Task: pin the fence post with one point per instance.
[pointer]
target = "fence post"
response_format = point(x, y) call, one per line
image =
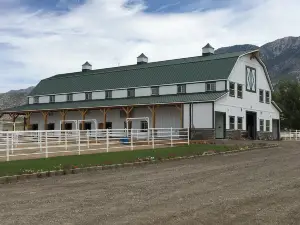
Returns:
point(171, 137)
point(88, 139)
point(107, 140)
point(188, 136)
point(296, 135)
point(96, 136)
point(290, 135)
point(12, 143)
point(46, 141)
point(7, 147)
point(131, 139)
point(153, 144)
point(78, 142)
point(148, 134)
point(66, 145)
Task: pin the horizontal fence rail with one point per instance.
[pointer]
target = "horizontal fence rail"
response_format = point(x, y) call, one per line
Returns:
point(292, 135)
point(15, 145)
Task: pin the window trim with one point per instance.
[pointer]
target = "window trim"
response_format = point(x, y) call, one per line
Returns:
point(155, 88)
point(267, 99)
point(231, 117)
point(36, 100)
point(71, 99)
point(241, 91)
point(263, 93)
point(108, 94)
point(182, 88)
point(230, 89)
point(268, 128)
point(261, 125)
point(88, 94)
point(130, 90)
point(241, 123)
point(141, 126)
point(51, 98)
point(213, 85)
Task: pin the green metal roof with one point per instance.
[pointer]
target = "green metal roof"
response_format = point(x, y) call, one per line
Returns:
point(163, 99)
point(201, 68)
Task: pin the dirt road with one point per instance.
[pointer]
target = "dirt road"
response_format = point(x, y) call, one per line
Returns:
point(257, 187)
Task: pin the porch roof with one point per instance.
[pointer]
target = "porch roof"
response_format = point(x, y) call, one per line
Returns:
point(153, 100)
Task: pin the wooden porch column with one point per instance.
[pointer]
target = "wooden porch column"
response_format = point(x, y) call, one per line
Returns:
point(45, 116)
point(152, 109)
point(63, 114)
point(83, 113)
point(27, 116)
point(128, 110)
point(180, 108)
point(13, 117)
point(104, 111)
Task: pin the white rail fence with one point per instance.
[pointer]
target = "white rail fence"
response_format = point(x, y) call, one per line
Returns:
point(292, 135)
point(17, 145)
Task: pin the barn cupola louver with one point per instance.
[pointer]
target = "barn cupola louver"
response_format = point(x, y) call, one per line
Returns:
point(86, 67)
point(208, 50)
point(142, 59)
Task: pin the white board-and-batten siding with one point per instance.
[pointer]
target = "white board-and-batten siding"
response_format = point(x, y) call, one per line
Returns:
point(237, 107)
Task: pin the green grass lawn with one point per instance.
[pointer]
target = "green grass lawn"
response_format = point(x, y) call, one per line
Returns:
point(64, 162)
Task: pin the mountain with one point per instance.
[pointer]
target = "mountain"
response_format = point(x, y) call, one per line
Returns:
point(14, 98)
point(282, 58)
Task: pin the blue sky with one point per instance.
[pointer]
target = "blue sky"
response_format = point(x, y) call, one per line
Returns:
point(40, 38)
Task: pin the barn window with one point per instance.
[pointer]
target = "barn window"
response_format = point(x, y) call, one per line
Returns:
point(231, 122)
point(50, 126)
point(211, 86)
point(52, 98)
point(261, 125)
point(130, 93)
point(181, 89)
point(88, 96)
point(108, 94)
point(240, 91)
point(144, 126)
point(232, 89)
point(36, 99)
point(155, 91)
point(268, 97)
point(70, 97)
point(240, 123)
point(268, 125)
point(261, 95)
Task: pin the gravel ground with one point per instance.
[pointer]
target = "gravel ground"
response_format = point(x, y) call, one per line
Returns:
point(256, 187)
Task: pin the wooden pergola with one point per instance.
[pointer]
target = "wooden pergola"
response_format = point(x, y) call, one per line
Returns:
point(84, 111)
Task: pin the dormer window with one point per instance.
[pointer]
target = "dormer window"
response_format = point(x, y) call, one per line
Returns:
point(36, 99)
point(70, 97)
point(181, 89)
point(88, 96)
point(52, 98)
point(211, 86)
point(232, 89)
point(154, 91)
point(130, 93)
point(108, 94)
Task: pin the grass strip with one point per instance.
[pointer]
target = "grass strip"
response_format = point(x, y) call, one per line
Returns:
point(76, 161)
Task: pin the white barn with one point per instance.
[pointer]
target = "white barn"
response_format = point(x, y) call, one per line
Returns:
point(215, 95)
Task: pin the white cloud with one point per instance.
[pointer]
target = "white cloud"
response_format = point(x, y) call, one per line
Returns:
point(106, 33)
